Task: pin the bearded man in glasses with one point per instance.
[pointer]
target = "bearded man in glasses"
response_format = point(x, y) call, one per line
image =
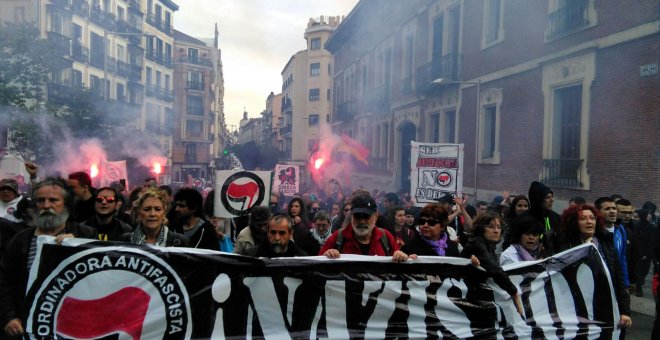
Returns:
point(108, 227)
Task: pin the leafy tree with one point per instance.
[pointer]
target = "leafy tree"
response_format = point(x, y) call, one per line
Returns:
point(23, 69)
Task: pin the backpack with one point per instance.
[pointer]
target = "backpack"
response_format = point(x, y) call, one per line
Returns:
point(339, 243)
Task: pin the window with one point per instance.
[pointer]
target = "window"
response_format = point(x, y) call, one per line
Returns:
point(152, 123)
point(329, 69)
point(449, 127)
point(158, 78)
point(313, 119)
point(314, 94)
point(490, 131)
point(567, 17)
point(488, 149)
point(167, 82)
point(435, 128)
point(406, 82)
point(195, 105)
point(193, 128)
point(193, 55)
point(315, 69)
point(492, 26)
point(120, 93)
point(315, 43)
point(169, 121)
point(327, 93)
point(97, 50)
point(148, 73)
point(563, 167)
point(191, 152)
point(195, 80)
point(120, 13)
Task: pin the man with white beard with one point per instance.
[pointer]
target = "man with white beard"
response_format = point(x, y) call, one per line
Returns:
point(362, 237)
point(53, 201)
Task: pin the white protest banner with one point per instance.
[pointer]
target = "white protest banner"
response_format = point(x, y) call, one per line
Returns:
point(237, 191)
point(436, 170)
point(113, 172)
point(286, 179)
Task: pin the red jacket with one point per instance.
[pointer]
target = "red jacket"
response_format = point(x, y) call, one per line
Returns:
point(350, 244)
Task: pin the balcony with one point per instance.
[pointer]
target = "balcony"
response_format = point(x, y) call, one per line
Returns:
point(61, 3)
point(122, 68)
point(124, 26)
point(286, 104)
point(59, 43)
point(80, 53)
point(159, 57)
point(195, 85)
point(135, 72)
point(285, 129)
point(103, 18)
point(378, 100)
point(447, 67)
point(568, 19)
point(345, 111)
point(563, 173)
point(111, 64)
point(196, 61)
point(190, 158)
point(160, 93)
point(159, 23)
point(407, 85)
point(61, 94)
point(80, 7)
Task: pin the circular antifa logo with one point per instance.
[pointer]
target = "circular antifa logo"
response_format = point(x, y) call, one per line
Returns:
point(112, 292)
point(242, 191)
point(445, 178)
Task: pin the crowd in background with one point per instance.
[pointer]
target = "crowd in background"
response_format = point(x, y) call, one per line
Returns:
point(509, 229)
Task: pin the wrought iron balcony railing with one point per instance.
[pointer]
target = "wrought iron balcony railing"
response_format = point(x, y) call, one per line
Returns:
point(564, 173)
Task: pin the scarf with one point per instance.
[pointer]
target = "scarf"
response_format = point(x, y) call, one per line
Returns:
point(138, 236)
point(321, 238)
point(438, 246)
point(527, 255)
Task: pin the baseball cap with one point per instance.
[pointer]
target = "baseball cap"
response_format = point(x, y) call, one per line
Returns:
point(9, 183)
point(363, 204)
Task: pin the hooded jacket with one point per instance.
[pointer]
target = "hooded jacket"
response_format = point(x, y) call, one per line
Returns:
point(551, 220)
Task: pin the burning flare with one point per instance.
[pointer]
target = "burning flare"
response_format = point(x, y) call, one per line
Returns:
point(94, 171)
point(318, 163)
point(156, 168)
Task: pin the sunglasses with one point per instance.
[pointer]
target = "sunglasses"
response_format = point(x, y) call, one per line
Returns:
point(430, 221)
point(105, 199)
point(347, 210)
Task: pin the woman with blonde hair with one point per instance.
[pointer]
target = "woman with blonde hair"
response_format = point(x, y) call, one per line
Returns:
point(151, 223)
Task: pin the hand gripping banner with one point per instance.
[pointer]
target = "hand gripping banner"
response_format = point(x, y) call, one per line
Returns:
point(97, 289)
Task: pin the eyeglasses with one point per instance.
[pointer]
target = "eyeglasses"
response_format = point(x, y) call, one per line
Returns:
point(430, 221)
point(105, 199)
point(494, 226)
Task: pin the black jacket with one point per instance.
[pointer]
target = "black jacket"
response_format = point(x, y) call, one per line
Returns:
point(418, 246)
point(14, 272)
point(111, 232)
point(204, 238)
point(84, 210)
point(485, 252)
point(552, 220)
point(264, 250)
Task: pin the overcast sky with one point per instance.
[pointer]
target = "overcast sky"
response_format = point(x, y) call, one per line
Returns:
point(257, 38)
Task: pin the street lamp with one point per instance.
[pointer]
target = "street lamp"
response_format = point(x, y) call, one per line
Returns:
point(106, 90)
point(446, 81)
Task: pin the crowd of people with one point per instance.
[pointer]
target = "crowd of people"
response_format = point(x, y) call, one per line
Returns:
point(510, 229)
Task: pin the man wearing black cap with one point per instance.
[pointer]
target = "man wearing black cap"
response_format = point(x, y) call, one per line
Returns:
point(9, 198)
point(361, 236)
